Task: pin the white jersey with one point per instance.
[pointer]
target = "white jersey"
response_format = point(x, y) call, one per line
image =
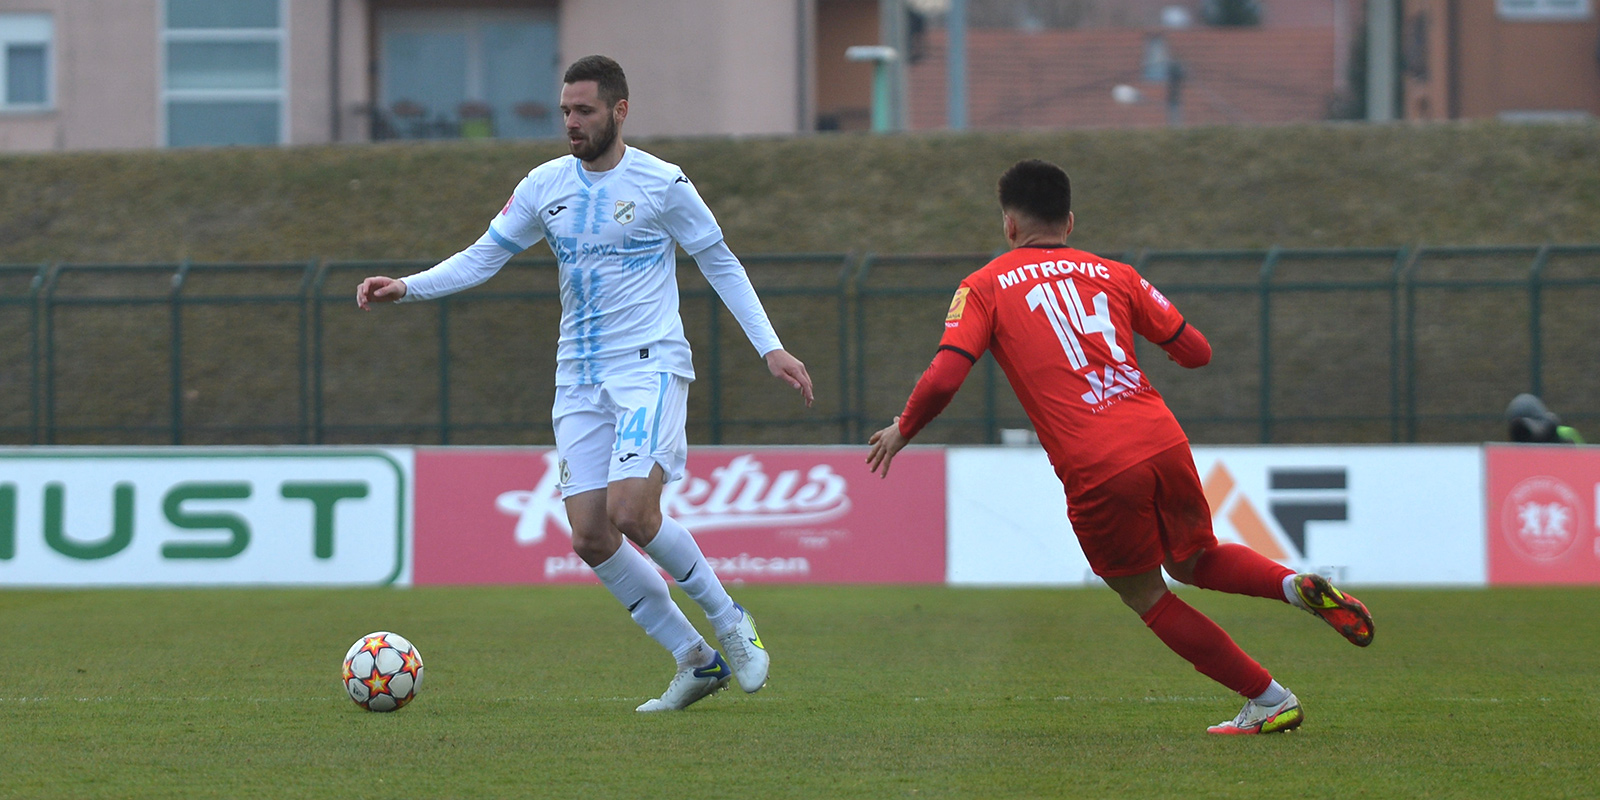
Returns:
point(616, 235)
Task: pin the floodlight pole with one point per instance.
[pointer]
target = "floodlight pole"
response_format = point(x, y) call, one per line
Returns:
point(883, 60)
point(1383, 94)
point(956, 63)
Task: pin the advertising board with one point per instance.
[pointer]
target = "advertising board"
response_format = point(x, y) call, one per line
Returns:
point(1364, 515)
point(768, 515)
point(1385, 515)
point(202, 516)
point(1543, 511)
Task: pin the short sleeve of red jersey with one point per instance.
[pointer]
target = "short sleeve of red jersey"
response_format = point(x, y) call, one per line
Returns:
point(969, 324)
point(1154, 316)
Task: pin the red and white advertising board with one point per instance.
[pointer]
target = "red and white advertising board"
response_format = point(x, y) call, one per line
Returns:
point(761, 515)
point(1541, 513)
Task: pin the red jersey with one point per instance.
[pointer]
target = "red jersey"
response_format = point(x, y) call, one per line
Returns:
point(1060, 322)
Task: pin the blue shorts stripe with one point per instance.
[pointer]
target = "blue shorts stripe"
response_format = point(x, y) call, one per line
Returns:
point(661, 401)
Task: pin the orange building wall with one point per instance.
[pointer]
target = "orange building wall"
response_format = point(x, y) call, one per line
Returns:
point(1497, 65)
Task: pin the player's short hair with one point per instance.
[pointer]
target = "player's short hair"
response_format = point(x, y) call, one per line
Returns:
point(605, 72)
point(1038, 189)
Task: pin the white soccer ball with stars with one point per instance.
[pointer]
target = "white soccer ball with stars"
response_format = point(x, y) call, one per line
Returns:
point(382, 671)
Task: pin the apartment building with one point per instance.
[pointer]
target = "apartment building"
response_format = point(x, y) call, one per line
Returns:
point(117, 74)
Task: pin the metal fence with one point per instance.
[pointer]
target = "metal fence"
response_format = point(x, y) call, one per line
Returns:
point(1411, 344)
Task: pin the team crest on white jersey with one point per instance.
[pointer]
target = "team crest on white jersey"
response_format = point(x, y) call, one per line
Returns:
point(624, 212)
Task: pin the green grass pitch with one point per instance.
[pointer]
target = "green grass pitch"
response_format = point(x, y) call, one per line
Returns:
point(875, 692)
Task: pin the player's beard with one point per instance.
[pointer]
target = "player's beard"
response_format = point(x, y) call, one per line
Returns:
point(593, 146)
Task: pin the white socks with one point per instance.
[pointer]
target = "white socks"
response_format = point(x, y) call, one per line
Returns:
point(641, 589)
point(634, 581)
point(1290, 595)
point(677, 553)
point(1274, 695)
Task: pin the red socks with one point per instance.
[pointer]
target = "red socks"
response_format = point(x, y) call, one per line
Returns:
point(1231, 568)
point(1236, 569)
point(1208, 647)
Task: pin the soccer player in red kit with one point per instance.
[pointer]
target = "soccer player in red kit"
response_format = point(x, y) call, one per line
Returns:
point(1060, 322)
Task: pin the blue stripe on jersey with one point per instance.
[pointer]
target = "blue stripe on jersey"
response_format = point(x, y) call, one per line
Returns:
point(661, 400)
point(513, 247)
point(641, 253)
point(585, 295)
point(577, 167)
point(596, 330)
point(580, 213)
point(583, 312)
point(601, 212)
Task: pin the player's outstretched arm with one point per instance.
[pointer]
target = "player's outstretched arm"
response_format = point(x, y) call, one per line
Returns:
point(932, 393)
point(885, 444)
point(787, 367)
point(379, 289)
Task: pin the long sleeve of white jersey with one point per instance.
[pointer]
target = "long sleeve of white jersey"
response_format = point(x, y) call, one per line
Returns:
point(464, 270)
point(727, 276)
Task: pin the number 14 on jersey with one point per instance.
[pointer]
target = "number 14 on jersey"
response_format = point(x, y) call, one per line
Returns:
point(1070, 319)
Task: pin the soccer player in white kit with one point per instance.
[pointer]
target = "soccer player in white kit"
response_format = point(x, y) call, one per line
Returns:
point(614, 216)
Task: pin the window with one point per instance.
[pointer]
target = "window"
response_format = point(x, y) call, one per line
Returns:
point(224, 78)
point(1543, 10)
point(446, 73)
point(25, 53)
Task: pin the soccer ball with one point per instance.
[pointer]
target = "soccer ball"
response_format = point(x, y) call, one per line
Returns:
point(382, 671)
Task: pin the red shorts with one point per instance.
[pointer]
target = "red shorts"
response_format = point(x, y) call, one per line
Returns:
point(1149, 512)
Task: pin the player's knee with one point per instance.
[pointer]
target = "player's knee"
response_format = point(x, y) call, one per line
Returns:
point(594, 546)
point(1141, 593)
point(637, 521)
point(1142, 602)
point(1181, 572)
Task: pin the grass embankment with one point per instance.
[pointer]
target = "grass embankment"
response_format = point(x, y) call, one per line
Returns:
point(1331, 351)
point(875, 692)
point(1317, 186)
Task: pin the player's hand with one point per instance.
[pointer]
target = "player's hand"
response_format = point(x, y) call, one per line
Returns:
point(378, 289)
point(885, 444)
point(782, 365)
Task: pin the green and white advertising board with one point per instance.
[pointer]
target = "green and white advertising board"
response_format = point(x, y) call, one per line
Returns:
point(204, 516)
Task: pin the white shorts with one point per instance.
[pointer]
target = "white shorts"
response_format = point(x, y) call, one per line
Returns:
point(621, 429)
